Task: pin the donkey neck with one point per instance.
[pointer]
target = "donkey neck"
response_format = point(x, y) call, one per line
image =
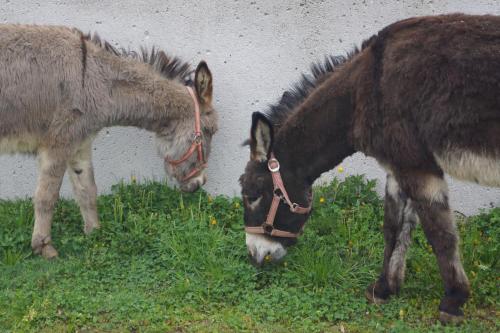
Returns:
point(150, 101)
point(318, 136)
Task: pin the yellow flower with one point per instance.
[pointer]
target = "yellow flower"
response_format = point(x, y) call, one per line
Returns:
point(340, 169)
point(213, 221)
point(321, 200)
point(267, 258)
point(133, 179)
point(401, 313)
point(236, 205)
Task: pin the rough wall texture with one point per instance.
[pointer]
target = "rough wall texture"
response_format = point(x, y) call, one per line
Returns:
point(256, 49)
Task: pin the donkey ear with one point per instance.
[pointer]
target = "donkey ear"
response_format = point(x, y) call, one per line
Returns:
point(262, 137)
point(203, 83)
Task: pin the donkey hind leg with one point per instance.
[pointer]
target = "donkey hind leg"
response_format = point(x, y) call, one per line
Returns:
point(81, 174)
point(51, 171)
point(430, 193)
point(399, 221)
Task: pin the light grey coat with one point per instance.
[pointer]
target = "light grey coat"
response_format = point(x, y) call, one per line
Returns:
point(59, 88)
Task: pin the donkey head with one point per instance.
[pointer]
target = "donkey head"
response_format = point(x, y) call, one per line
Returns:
point(186, 144)
point(258, 192)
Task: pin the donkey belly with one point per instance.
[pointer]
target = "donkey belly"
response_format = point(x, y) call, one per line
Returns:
point(483, 169)
point(25, 144)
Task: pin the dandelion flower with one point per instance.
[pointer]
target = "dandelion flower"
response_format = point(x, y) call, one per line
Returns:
point(340, 169)
point(321, 200)
point(213, 221)
point(268, 258)
point(401, 313)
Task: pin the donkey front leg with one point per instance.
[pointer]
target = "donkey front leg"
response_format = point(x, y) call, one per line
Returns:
point(399, 221)
point(430, 193)
point(51, 171)
point(81, 174)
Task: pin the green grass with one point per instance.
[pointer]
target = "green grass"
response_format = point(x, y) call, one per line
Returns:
point(165, 261)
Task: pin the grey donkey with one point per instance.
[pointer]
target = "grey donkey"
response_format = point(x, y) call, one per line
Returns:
point(59, 88)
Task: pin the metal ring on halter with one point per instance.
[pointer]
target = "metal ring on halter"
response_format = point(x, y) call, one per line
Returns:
point(278, 193)
point(276, 168)
point(197, 138)
point(267, 228)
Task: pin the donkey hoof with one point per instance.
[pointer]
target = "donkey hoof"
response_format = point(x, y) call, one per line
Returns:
point(372, 297)
point(49, 252)
point(87, 229)
point(46, 250)
point(449, 319)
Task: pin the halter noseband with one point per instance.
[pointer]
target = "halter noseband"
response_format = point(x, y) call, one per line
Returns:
point(279, 195)
point(197, 142)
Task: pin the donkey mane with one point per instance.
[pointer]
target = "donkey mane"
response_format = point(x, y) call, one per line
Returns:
point(319, 71)
point(172, 68)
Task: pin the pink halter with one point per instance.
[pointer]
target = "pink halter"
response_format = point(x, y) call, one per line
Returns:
point(280, 195)
point(197, 142)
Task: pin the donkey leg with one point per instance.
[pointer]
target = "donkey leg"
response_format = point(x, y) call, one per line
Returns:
point(51, 172)
point(430, 193)
point(399, 221)
point(81, 174)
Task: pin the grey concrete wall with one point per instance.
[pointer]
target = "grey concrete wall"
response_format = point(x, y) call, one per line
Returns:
point(255, 48)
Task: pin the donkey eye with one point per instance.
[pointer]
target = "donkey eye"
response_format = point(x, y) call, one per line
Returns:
point(252, 199)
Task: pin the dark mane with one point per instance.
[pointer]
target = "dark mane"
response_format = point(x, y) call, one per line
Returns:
point(291, 98)
point(172, 68)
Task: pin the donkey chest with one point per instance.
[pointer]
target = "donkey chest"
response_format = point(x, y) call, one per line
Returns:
point(25, 144)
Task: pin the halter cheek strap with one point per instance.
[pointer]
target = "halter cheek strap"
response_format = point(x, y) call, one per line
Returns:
point(280, 195)
point(196, 145)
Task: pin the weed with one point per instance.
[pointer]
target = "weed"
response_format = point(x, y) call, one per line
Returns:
point(166, 261)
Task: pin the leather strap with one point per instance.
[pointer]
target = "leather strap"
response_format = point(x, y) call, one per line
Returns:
point(280, 195)
point(196, 145)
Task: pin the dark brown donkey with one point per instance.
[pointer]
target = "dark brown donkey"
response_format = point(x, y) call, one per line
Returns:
point(423, 98)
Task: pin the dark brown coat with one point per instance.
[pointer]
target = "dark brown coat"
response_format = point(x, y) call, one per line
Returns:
point(421, 97)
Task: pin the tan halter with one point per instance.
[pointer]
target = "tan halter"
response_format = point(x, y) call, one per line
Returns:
point(280, 195)
point(197, 142)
